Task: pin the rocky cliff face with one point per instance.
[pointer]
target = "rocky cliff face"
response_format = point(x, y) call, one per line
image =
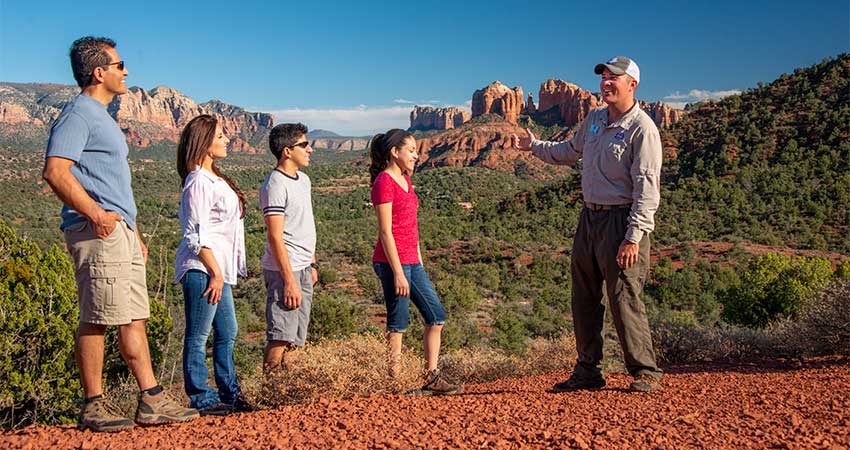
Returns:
point(482, 145)
point(430, 118)
point(498, 99)
point(574, 103)
point(663, 115)
point(144, 116)
point(529, 106)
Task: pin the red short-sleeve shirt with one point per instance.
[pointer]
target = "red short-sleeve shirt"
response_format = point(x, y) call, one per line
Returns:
point(405, 225)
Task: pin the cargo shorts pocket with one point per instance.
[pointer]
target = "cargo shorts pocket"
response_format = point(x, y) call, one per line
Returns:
point(109, 286)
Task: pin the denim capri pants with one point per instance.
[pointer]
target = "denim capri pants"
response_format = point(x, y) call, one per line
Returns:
point(422, 294)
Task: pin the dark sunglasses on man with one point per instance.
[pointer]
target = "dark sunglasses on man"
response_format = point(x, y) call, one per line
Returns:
point(302, 144)
point(117, 64)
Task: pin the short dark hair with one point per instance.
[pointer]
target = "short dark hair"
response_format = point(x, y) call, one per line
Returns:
point(87, 53)
point(285, 135)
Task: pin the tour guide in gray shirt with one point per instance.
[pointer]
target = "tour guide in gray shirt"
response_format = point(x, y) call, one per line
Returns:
point(620, 150)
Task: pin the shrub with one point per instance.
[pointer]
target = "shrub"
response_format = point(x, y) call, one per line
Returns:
point(679, 338)
point(39, 381)
point(822, 326)
point(773, 287)
point(333, 316)
point(38, 319)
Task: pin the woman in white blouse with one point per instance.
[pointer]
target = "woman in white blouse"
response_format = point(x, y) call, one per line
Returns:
point(210, 257)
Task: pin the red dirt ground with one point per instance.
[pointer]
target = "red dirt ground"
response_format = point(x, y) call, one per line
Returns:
point(771, 404)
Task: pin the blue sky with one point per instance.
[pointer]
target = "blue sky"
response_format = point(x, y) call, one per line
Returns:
point(358, 67)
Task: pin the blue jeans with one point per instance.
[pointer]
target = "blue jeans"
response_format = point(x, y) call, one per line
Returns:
point(200, 318)
point(422, 294)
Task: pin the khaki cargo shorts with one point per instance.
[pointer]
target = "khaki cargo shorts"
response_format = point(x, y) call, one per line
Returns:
point(110, 273)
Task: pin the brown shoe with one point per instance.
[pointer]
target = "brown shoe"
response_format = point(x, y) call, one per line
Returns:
point(645, 382)
point(160, 409)
point(101, 416)
point(436, 384)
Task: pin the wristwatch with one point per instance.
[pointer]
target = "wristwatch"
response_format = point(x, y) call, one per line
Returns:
point(314, 265)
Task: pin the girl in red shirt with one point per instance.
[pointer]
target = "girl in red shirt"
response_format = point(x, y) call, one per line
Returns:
point(398, 260)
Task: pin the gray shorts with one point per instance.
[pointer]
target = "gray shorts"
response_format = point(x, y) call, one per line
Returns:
point(110, 274)
point(282, 323)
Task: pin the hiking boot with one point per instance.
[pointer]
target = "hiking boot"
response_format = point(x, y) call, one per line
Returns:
point(645, 383)
point(216, 409)
point(578, 383)
point(437, 384)
point(160, 409)
point(101, 416)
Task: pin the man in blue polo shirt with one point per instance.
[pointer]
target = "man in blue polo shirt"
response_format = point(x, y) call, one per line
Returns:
point(86, 166)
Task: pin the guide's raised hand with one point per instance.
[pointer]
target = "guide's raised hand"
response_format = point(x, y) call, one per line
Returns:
point(523, 143)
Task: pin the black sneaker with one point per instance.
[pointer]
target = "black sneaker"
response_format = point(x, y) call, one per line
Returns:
point(241, 405)
point(216, 409)
point(577, 383)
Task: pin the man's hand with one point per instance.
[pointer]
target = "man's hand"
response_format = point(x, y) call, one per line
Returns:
point(291, 293)
point(142, 245)
point(627, 255)
point(523, 143)
point(104, 223)
point(214, 288)
point(315, 273)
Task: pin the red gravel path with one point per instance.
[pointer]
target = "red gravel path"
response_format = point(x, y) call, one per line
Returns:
point(765, 405)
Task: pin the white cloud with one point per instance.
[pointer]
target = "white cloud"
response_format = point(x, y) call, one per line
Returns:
point(403, 101)
point(695, 95)
point(361, 120)
point(468, 104)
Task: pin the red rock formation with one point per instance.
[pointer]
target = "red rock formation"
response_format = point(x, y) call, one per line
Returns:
point(529, 105)
point(13, 113)
point(663, 115)
point(572, 101)
point(498, 99)
point(485, 145)
point(430, 118)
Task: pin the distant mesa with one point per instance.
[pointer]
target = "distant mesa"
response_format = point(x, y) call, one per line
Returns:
point(319, 133)
point(498, 99)
point(145, 117)
point(339, 143)
point(430, 118)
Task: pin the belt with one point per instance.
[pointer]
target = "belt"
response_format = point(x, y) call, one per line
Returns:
point(595, 207)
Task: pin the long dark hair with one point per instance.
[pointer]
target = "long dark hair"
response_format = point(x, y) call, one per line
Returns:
point(195, 140)
point(379, 150)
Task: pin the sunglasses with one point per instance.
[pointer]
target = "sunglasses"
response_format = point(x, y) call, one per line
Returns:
point(302, 144)
point(117, 64)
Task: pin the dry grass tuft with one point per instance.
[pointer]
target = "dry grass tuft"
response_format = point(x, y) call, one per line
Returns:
point(481, 365)
point(357, 366)
point(335, 369)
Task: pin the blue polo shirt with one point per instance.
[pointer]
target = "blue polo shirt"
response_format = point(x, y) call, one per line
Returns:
point(85, 133)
